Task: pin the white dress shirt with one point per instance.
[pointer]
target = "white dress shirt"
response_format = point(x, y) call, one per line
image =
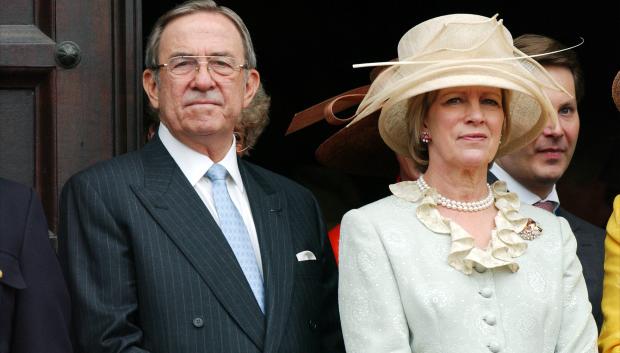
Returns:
point(525, 195)
point(195, 165)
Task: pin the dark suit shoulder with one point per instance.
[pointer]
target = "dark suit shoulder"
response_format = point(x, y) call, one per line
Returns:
point(276, 181)
point(580, 224)
point(15, 201)
point(123, 169)
point(14, 192)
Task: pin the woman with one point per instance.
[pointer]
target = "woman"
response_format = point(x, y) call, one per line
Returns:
point(609, 341)
point(449, 263)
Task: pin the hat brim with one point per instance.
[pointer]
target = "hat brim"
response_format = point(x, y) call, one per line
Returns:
point(529, 106)
point(358, 149)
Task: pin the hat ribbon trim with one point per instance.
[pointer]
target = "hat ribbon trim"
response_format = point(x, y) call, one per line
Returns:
point(468, 61)
point(327, 110)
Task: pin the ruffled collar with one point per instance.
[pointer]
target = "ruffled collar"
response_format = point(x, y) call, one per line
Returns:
point(506, 244)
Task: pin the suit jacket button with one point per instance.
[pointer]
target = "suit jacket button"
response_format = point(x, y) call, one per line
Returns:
point(486, 292)
point(313, 325)
point(493, 347)
point(198, 322)
point(490, 319)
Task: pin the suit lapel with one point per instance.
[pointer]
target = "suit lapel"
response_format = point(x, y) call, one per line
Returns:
point(180, 212)
point(584, 239)
point(491, 178)
point(269, 214)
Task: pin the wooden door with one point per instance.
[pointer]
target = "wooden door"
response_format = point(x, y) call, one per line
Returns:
point(69, 89)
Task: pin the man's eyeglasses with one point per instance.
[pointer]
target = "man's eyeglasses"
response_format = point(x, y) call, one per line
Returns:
point(184, 66)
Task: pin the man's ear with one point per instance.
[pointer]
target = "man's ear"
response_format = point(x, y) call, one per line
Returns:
point(151, 87)
point(251, 86)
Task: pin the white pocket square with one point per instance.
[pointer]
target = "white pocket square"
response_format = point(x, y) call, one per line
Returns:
point(306, 255)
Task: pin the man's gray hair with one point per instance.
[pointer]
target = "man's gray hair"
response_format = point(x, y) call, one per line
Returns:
point(187, 8)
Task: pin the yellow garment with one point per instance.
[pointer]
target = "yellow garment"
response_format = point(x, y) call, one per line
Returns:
point(609, 341)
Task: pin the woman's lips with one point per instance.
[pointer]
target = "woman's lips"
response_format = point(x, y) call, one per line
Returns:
point(473, 137)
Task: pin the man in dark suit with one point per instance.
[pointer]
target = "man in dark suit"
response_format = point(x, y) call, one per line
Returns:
point(533, 171)
point(182, 246)
point(34, 302)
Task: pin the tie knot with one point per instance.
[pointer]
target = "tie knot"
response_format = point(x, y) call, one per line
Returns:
point(217, 172)
point(546, 205)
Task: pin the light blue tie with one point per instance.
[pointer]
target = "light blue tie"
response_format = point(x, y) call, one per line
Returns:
point(235, 231)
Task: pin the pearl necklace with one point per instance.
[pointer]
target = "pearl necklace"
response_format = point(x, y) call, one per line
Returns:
point(473, 206)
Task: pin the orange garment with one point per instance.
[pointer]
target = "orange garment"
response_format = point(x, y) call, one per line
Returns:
point(334, 233)
point(334, 238)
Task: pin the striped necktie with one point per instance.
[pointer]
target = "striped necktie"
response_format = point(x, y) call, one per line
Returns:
point(546, 205)
point(235, 232)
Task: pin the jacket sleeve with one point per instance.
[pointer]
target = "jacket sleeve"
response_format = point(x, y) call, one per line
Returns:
point(609, 341)
point(371, 311)
point(578, 330)
point(42, 309)
point(96, 257)
point(331, 331)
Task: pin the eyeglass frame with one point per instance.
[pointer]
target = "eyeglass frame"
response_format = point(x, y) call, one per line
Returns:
point(236, 68)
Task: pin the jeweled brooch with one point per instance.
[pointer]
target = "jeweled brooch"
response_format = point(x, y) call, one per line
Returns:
point(531, 231)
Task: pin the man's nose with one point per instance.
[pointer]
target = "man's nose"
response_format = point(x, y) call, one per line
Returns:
point(553, 128)
point(203, 80)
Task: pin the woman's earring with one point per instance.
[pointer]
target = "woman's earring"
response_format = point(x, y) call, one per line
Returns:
point(426, 137)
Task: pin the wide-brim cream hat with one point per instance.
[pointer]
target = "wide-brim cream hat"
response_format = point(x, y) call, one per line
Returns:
point(453, 51)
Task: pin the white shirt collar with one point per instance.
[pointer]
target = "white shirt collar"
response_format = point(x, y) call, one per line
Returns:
point(525, 195)
point(193, 164)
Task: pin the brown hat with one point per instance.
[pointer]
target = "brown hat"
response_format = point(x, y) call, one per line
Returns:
point(615, 90)
point(356, 149)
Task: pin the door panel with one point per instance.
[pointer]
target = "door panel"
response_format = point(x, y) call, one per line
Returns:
point(27, 114)
point(55, 120)
point(16, 134)
point(16, 12)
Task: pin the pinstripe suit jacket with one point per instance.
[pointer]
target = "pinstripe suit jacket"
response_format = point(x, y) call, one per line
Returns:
point(150, 271)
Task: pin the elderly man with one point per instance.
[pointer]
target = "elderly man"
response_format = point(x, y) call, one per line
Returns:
point(533, 171)
point(182, 246)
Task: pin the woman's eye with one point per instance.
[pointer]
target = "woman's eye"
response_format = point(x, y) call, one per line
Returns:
point(455, 100)
point(490, 101)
